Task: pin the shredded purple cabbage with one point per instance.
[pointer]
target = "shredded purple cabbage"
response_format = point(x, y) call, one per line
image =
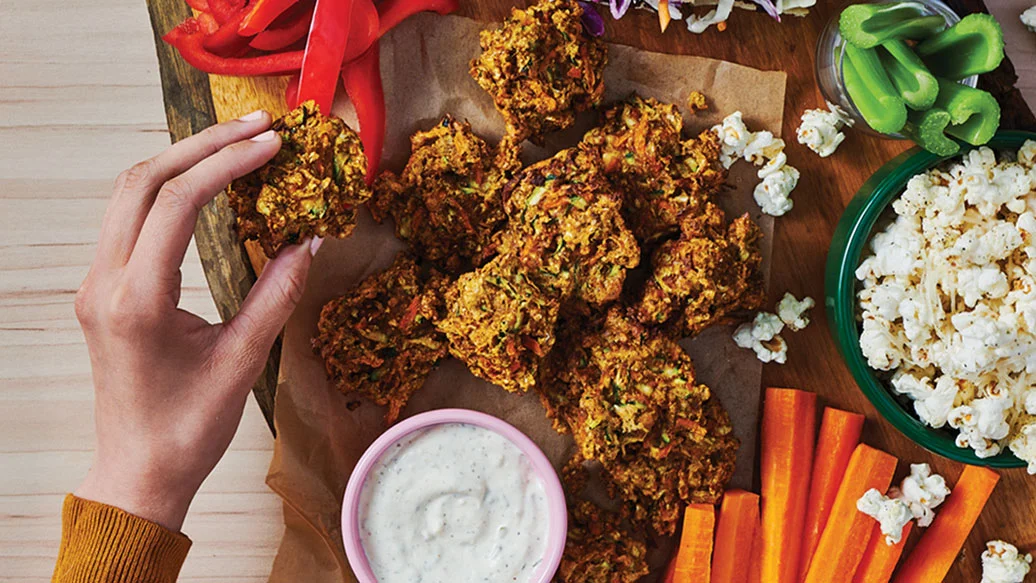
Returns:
point(592, 21)
point(770, 9)
point(619, 7)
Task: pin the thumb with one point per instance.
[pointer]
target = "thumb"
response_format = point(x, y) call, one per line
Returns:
point(252, 331)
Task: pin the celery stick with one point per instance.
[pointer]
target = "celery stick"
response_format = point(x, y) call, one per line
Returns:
point(908, 74)
point(974, 114)
point(928, 130)
point(973, 46)
point(871, 91)
point(869, 25)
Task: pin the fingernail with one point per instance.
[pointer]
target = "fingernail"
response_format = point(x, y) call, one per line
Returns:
point(267, 136)
point(254, 116)
point(314, 245)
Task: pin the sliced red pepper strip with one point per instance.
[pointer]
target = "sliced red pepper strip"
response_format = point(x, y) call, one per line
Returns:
point(291, 92)
point(325, 50)
point(262, 13)
point(199, 5)
point(362, 81)
point(224, 10)
point(189, 38)
point(364, 30)
point(393, 12)
point(227, 40)
point(278, 37)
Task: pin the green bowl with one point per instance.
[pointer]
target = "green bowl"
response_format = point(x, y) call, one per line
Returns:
point(850, 241)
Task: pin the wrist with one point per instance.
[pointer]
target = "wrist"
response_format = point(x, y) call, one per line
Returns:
point(134, 494)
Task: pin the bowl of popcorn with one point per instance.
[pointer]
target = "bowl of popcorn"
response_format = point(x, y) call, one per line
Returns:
point(931, 297)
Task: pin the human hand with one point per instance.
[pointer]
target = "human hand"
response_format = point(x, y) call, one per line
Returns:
point(170, 388)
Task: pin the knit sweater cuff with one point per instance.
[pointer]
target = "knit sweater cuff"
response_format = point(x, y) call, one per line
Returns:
point(101, 543)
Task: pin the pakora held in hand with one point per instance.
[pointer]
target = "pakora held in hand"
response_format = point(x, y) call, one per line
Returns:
point(566, 229)
point(446, 203)
point(311, 188)
point(698, 280)
point(599, 548)
point(541, 68)
point(661, 437)
point(661, 176)
point(380, 340)
point(500, 323)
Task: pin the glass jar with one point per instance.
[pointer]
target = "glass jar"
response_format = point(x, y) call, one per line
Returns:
point(831, 51)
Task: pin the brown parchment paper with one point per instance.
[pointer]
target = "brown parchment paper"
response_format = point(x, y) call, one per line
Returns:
point(424, 64)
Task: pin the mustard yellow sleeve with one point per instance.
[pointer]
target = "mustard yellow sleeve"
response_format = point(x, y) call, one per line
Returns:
point(103, 544)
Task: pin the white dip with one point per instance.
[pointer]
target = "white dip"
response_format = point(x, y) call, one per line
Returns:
point(454, 502)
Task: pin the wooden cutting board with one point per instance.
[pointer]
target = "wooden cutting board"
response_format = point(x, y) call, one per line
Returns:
point(195, 101)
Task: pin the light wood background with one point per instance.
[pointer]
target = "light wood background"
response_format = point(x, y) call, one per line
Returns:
point(80, 101)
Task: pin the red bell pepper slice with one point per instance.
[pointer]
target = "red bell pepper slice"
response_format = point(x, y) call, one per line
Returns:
point(188, 38)
point(291, 92)
point(287, 30)
point(364, 31)
point(224, 10)
point(199, 5)
point(392, 12)
point(362, 81)
point(262, 14)
point(227, 40)
point(325, 50)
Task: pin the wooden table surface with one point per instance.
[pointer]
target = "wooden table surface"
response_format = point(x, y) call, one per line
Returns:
point(80, 100)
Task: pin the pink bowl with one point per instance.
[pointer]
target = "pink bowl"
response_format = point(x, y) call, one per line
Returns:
point(556, 508)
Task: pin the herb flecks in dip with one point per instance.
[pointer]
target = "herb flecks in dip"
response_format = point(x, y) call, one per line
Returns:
point(453, 502)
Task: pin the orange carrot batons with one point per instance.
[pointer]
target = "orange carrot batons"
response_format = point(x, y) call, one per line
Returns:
point(938, 548)
point(848, 530)
point(694, 557)
point(735, 536)
point(788, 432)
point(839, 434)
point(880, 558)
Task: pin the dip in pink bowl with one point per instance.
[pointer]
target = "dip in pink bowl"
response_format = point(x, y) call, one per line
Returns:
point(454, 495)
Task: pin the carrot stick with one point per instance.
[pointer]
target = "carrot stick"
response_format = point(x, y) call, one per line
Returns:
point(839, 434)
point(694, 556)
point(938, 548)
point(755, 566)
point(670, 572)
point(735, 536)
point(880, 558)
point(788, 431)
point(844, 540)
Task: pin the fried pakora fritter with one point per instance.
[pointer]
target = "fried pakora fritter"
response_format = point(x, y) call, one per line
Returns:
point(380, 339)
point(661, 437)
point(599, 548)
point(661, 176)
point(710, 271)
point(566, 229)
point(311, 188)
point(541, 68)
point(446, 202)
point(500, 323)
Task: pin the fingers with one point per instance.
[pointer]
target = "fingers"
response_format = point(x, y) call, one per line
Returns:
point(249, 335)
point(135, 189)
point(168, 228)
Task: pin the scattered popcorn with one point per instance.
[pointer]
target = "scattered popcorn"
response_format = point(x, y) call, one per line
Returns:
point(696, 102)
point(794, 312)
point(762, 335)
point(892, 514)
point(923, 491)
point(948, 300)
point(1001, 563)
point(765, 150)
point(1028, 18)
point(1024, 446)
point(820, 129)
